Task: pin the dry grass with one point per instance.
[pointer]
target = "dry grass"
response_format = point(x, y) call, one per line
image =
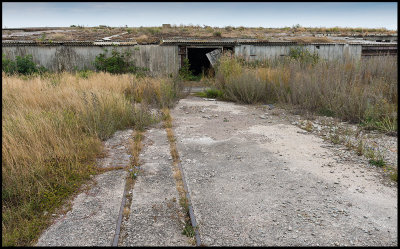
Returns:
point(308, 39)
point(357, 91)
point(59, 37)
point(154, 34)
point(53, 126)
point(155, 92)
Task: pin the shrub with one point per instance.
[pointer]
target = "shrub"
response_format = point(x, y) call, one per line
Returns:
point(303, 55)
point(118, 63)
point(22, 65)
point(217, 34)
point(7, 65)
point(209, 29)
point(229, 28)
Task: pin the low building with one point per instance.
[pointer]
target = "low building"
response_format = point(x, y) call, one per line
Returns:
point(168, 56)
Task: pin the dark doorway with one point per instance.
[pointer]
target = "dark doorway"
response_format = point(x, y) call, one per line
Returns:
point(198, 60)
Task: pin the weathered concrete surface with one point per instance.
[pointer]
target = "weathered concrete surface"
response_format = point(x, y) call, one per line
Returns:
point(155, 215)
point(93, 217)
point(116, 150)
point(256, 180)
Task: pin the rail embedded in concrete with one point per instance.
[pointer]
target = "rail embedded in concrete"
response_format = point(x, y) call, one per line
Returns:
point(119, 221)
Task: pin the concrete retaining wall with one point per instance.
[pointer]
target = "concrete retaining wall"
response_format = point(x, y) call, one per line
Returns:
point(326, 51)
point(159, 59)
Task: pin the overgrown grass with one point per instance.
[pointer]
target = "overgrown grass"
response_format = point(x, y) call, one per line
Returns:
point(363, 92)
point(52, 127)
point(210, 93)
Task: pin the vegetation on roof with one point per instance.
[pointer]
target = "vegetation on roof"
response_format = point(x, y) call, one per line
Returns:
point(151, 35)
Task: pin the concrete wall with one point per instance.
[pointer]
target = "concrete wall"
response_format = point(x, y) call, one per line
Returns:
point(159, 59)
point(326, 51)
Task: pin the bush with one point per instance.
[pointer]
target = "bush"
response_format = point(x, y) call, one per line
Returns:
point(217, 34)
point(229, 28)
point(303, 55)
point(118, 63)
point(22, 65)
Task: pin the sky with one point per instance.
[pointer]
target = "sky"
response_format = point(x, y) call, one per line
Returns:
point(215, 14)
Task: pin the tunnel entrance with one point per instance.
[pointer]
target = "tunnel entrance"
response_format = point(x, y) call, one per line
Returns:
point(198, 60)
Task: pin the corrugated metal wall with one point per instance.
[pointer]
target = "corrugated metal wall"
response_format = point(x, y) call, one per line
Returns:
point(326, 51)
point(159, 59)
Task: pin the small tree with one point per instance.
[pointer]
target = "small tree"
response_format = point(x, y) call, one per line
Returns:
point(184, 71)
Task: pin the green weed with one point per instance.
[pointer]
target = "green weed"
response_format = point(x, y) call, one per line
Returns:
point(118, 63)
point(188, 230)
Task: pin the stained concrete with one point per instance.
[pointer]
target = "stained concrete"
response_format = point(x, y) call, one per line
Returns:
point(156, 218)
point(256, 180)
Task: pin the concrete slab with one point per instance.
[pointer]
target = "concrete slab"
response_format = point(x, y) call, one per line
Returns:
point(256, 180)
point(93, 217)
point(156, 217)
point(116, 150)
